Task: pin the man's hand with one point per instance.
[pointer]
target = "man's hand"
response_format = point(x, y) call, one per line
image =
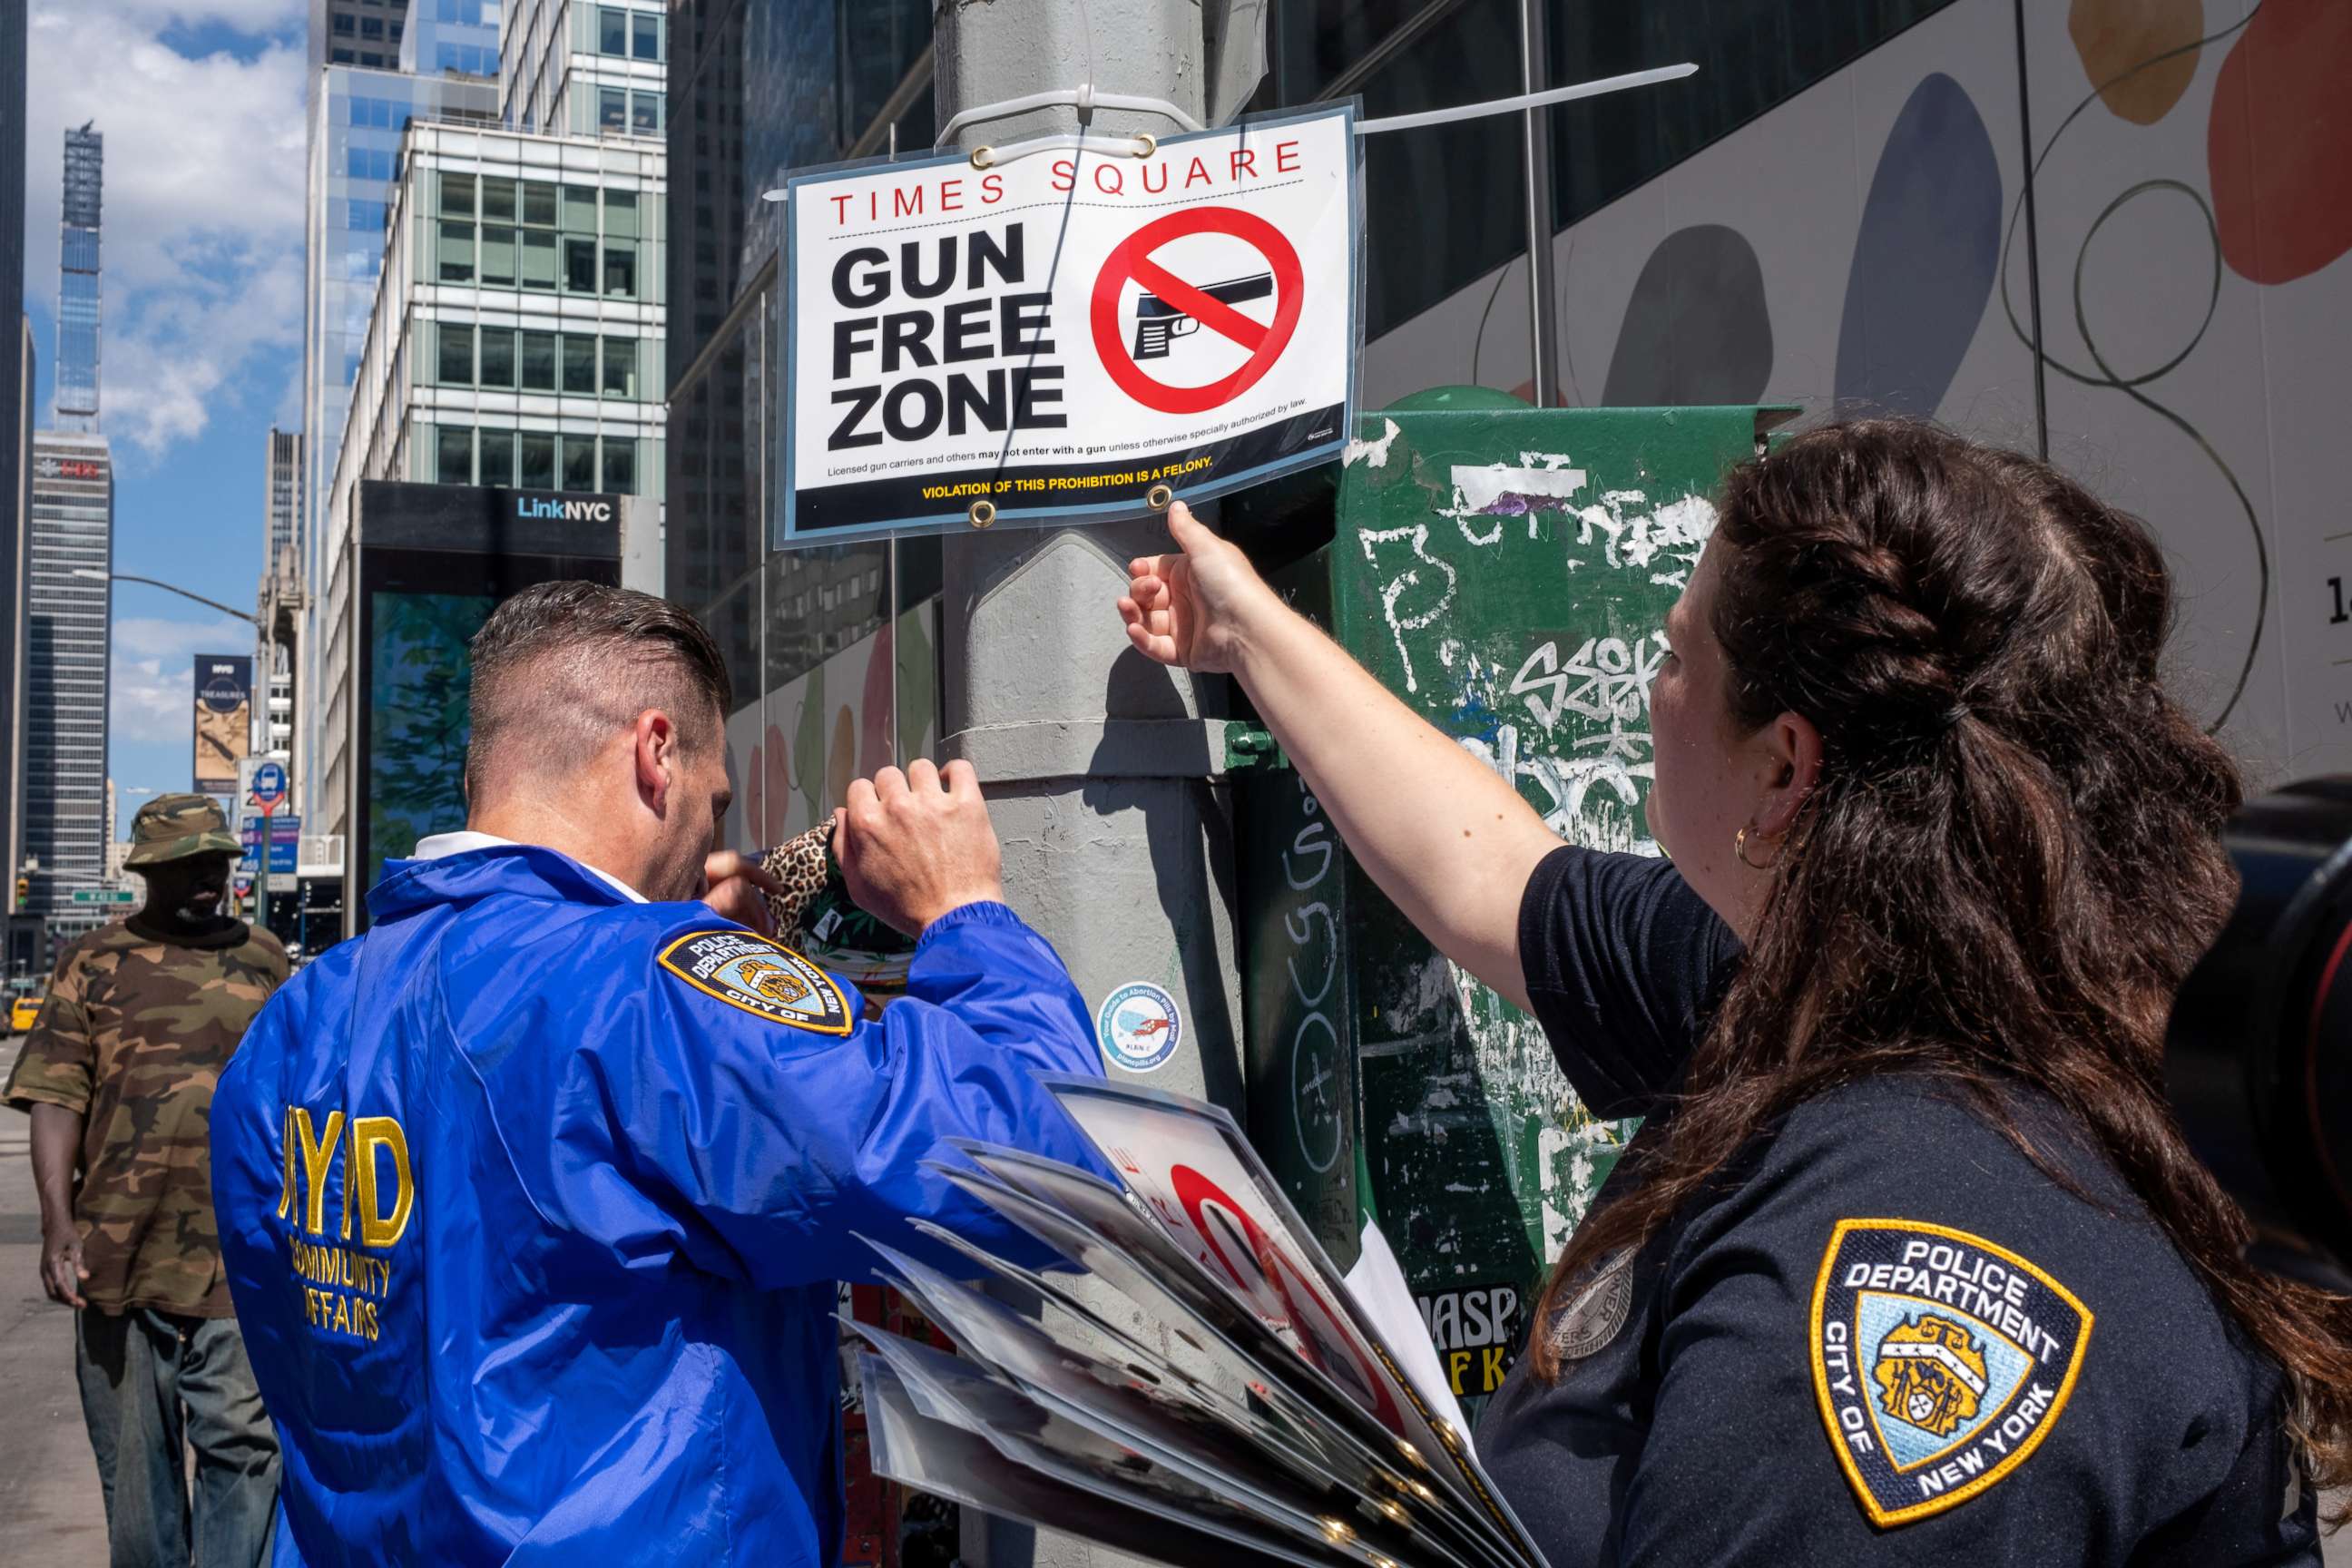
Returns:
point(913, 846)
point(734, 885)
point(1193, 608)
point(61, 1270)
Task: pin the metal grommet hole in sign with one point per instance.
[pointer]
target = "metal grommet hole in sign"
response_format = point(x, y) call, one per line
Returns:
point(1146, 143)
point(983, 514)
point(1157, 497)
point(982, 157)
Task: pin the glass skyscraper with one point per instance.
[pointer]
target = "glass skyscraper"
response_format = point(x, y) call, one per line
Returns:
point(78, 291)
point(70, 555)
point(357, 117)
point(69, 600)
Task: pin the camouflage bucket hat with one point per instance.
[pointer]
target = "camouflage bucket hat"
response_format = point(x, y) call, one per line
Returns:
point(174, 826)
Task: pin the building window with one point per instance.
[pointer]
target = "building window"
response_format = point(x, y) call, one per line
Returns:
point(535, 453)
point(579, 266)
point(370, 164)
point(580, 462)
point(580, 362)
point(457, 252)
point(343, 26)
point(454, 455)
point(579, 209)
point(645, 113)
point(621, 465)
point(498, 366)
point(645, 35)
point(620, 367)
point(456, 195)
point(340, 57)
point(498, 456)
point(498, 256)
point(539, 203)
point(621, 214)
point(621, 270)
point(538, 357)
point(538, 261)
point(498, 200)
point(369, 27)
point(368, 217)
point(612, 110)
point(612, 31)
point(456, 354)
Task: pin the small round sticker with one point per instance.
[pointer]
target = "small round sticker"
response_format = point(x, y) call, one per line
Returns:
point(1138, 1027)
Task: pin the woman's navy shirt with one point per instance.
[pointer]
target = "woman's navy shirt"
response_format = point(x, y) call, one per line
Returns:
point(1884, 1335)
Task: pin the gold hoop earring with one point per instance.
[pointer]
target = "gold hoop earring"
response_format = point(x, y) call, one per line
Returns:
point(1739, 847)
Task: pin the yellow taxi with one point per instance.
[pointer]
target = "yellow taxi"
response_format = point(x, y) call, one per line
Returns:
point(22, 1012)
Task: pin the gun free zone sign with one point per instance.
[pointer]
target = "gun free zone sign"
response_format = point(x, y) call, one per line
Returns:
point(1056, 336)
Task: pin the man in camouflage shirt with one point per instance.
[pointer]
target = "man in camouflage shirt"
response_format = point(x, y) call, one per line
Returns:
point(119, 1075)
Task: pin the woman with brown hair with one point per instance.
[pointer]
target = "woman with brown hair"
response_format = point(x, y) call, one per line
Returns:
point(1909, 1263)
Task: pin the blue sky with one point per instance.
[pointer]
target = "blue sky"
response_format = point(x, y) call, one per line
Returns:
point(201, 101)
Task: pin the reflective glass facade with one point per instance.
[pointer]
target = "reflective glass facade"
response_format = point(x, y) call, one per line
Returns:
point(67, 615)
point(78, 282)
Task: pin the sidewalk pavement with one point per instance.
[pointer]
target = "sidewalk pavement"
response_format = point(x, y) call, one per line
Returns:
point(50, 1511)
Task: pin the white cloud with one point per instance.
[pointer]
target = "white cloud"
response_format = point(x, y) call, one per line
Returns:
point(204, 196)
point(154, 674)
point(244, 16)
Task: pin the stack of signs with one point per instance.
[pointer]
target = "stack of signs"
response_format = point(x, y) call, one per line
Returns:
point(1347, 1451)
point(1069, 334)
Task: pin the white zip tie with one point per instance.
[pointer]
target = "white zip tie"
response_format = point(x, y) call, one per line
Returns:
point(1141, 144)
point(1525, 100)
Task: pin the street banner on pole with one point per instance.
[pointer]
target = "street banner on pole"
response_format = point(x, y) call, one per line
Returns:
point(224, 721)
point(1069, 335)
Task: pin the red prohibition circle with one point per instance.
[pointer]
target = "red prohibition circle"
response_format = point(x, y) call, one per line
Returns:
point(1265, 341)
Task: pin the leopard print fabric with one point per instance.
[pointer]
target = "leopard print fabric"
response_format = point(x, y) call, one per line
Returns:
point(800, 863)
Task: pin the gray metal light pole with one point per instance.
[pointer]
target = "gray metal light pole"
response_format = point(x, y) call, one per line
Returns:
point(261, 879)
point(1100, 765)
point(1535, 136)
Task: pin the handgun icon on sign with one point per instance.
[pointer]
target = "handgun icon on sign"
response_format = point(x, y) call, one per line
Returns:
point(1157, 321)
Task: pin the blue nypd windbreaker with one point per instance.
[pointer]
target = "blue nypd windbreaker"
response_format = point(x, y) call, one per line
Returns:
point(533, 1200)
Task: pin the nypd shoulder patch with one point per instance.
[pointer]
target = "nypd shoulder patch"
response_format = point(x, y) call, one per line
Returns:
point(1941, 1360)
point(746, 970)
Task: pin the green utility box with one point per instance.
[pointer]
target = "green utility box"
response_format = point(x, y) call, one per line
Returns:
point(1507, 572)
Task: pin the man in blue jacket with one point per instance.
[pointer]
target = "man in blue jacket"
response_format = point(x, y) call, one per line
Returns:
point(532, 1199)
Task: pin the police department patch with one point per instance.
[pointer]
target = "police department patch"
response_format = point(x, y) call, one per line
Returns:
point(1941, 1361)
point(748, 971)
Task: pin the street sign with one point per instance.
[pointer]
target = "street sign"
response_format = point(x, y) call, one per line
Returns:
point(1069, 335)
point(104, 896)
point(285, 843)
point(268, 786)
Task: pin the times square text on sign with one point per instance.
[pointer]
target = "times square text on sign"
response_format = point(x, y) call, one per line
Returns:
point(1056, 334)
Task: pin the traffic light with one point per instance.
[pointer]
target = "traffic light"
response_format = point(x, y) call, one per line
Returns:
point(24, 889)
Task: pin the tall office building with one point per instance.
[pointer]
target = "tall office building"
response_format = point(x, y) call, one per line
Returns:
point(516, 343)
point(278, 617)
point(70, 557)
point(284, 490)
point(357, 33)
point(15, 437)
point(357, 119)
point(71, 554)
point(77, 285)
point(570, 67)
